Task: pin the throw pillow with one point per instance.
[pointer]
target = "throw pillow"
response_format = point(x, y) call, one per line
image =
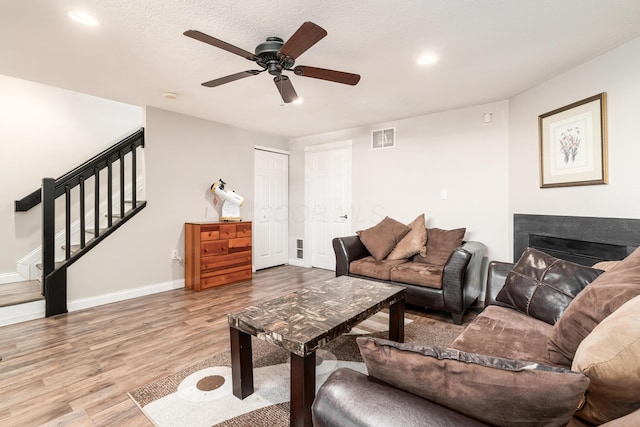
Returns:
point(414, 242)
point(605, 265)
point(382, 237)
point(598, 300)
point(610, 357)
point(494, 390)
point(440, 244)
point(542, 286)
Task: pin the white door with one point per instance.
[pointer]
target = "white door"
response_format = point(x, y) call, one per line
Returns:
point(271, 216)
point(328, 199)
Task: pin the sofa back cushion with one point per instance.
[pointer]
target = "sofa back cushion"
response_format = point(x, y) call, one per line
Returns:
point(382, 237)
point(440, 244)
point(610, 357)
point(542, 286)
point(598, 300)
point(497, 391)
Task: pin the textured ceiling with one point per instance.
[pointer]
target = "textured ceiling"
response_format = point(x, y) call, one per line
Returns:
point(489, 50)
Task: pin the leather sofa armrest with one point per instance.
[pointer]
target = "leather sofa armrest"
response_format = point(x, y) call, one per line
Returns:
point(347, 249)
point(351, 399)
point(496, 275)
point(462, 278)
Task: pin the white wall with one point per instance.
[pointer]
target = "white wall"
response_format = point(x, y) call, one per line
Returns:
point(616, 73)
point(452, 151)
point(45, 132)
point(184, 156)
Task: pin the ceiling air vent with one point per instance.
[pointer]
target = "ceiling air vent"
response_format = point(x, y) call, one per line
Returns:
point(383, 138)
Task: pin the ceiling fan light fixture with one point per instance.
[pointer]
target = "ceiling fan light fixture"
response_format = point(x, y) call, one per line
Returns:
point(83, 18)
point(298, 101)
point(427, 59)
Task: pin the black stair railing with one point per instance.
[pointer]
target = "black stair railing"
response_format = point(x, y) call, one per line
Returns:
point(54, 275)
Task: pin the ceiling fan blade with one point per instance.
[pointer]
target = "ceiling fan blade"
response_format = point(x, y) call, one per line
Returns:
point(285, 87)
point(230, 78)
point(306, 36)
point(205, 38)
point(324, 74)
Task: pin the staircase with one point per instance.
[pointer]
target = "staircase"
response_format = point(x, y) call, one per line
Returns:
point(113, 201)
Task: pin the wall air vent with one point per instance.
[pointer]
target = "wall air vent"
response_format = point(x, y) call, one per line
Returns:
point(299, 249)
point(383, 138)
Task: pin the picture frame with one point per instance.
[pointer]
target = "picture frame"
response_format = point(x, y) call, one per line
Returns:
point(573, 144)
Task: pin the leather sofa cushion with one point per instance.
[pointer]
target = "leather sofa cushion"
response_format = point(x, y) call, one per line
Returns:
point(415, 241)
point(440, 244)
point(349, 398)
point(513, 335)
point(370, 267)
point(598, 300)
point(542, 286)
point(418, 273)
point(382, 237)
point(494, 390)
point(610, 357)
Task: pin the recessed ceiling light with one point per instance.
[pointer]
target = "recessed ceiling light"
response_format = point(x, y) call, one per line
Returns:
point(427, 59)
point(83, 18)
point(170, 95)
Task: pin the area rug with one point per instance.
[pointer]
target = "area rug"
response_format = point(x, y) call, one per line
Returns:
point(201, 395)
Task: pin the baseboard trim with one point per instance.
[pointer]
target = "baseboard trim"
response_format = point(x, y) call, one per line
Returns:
point(10, 278)
point(12, 314)
point(81, 304)
point(297, 262)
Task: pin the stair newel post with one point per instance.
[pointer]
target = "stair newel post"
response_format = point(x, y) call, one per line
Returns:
point(109, 193)
point(67, 222)
point(82, 214)
point(121, 164)
point(48, 225)
point(96, 203)
point(54, 282)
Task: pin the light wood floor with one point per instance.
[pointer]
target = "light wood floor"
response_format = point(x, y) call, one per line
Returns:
point(76, 369)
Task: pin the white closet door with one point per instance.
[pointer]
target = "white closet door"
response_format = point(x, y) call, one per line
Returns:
point(271, 217)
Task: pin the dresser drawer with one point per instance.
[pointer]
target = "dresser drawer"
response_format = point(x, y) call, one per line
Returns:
point(239, 244)
point(210, 234)
point(225, 261)
point(214, 247)
point(227, 231)
point(226, 276)
point(243, 230)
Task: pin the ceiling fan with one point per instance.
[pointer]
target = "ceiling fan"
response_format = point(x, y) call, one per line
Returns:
point(275, 56)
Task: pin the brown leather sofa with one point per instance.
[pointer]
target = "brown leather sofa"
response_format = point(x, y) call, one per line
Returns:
point(349, 398)
point(458, 283)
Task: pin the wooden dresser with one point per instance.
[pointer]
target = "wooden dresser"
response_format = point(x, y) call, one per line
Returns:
point(217, 253)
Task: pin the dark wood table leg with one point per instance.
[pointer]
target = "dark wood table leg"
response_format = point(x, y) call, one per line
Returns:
point(396, 321)
point(241, 363)
point(303, 389)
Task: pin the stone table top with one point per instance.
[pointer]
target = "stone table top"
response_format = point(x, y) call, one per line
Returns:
point(304, 320)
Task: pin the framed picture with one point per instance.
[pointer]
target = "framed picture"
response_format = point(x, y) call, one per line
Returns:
point(573, 144)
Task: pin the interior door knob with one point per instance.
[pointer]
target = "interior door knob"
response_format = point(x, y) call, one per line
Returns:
point(344, 216)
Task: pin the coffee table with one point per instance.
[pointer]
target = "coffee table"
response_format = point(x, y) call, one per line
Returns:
point(301, 322)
